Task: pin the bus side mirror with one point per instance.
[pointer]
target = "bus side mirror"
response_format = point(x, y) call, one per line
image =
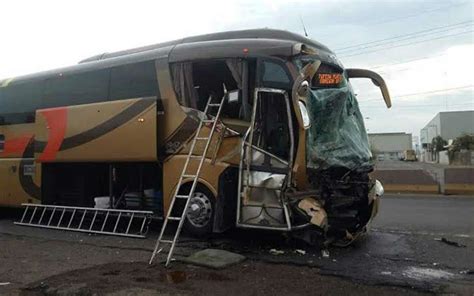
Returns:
point(376, 79)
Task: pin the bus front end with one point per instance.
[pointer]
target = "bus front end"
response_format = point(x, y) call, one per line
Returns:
point(339, 197)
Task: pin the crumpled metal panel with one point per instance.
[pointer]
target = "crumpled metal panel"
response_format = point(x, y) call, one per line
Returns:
point(264, 179)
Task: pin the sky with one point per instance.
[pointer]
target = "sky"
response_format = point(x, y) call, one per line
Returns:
point(423, 49)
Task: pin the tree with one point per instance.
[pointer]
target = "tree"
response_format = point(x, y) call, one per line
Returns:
point(463, 142)
point(438, 143)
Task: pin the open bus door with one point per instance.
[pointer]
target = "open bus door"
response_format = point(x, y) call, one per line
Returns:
point(265, 165)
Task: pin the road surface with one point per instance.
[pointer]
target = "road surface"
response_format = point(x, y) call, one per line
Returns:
point(402, 254)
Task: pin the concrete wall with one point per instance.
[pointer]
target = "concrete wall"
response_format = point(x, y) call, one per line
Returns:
point(459, 181)
point(415, 181)
point(443, 157)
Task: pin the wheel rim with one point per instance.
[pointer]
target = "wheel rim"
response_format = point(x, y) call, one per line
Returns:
point(199, 210)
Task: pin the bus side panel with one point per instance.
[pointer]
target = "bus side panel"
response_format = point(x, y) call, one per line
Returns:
point(173, 167)
point(19, 177)
point(17, 184)
point(122, 130)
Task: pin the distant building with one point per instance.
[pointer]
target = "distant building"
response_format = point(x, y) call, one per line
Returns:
point(448, 125)
point(390, 146)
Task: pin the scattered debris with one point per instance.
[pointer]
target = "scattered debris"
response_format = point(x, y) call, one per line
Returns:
point(5, 283)
point(301, 252)
point(214, 258)
point(449, 242)
point(325, 253)
point(276, 252)
point(421, 273)
point(469, 271)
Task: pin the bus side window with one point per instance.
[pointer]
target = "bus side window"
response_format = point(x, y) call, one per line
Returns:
point(76, 89)
point(195, 82)
point(133, 81)
point(274, 75)
point(2, 143)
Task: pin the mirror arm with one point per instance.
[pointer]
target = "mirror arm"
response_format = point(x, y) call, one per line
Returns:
point(375, 78)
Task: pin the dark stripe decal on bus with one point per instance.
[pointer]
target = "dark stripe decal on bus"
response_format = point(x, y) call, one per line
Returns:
point(101, 129)
point(26, 180)
point(107, 126)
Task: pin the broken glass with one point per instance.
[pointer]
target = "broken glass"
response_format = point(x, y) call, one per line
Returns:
point(337, 136)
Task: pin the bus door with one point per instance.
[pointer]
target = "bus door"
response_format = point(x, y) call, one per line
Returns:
point(265, 165)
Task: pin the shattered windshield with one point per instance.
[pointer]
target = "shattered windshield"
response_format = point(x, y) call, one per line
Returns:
point(337, 136)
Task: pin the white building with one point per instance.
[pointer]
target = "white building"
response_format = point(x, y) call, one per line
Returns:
point(390, 146)
point(448, 125)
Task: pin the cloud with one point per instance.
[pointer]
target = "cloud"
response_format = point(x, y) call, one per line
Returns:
point(42, 35)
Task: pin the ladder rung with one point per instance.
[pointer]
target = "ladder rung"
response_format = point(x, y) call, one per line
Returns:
point(182, 196)
point(212, 119)
point(189, 176)
point(166, 241)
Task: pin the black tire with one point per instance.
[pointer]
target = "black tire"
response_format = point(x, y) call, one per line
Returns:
point(200, 217)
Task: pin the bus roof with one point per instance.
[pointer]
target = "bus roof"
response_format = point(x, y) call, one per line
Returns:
point(228, 35)
point(202, 46)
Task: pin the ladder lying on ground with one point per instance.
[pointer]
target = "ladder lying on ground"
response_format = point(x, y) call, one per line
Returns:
point(186, 176)
point(92, 220)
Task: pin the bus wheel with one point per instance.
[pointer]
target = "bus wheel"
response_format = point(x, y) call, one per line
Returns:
point(200, 215)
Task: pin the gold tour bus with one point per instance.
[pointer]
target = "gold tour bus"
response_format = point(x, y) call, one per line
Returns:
point(285, 148)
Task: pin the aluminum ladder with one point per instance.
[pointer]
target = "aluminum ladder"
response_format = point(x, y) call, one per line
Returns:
point(90, 220)
point(186, 175)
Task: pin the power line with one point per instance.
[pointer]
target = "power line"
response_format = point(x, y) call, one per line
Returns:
point(419, 13)
point(406, 44)
point(422, 106)
point(406, 36)
point(424, 93)
point(407, 61)
point(444, 8)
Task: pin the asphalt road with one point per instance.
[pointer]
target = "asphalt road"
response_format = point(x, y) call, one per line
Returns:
point(422, 214)
point(403, 249)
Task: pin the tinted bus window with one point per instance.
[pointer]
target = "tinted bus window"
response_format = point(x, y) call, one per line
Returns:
point(76, 89)
point(133, 81)
point(18, 102)
point(274, 74)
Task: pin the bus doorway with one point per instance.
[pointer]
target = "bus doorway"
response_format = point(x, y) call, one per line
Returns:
point(266, 163)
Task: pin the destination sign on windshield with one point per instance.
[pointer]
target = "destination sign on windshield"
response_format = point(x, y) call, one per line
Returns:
point(326, 78)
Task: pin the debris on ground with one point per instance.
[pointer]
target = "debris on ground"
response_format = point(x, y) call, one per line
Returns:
point(301, 252)
point(214, 258)
point(276, 252)
point(325, 253)
point(469, 271)
point(449, 242)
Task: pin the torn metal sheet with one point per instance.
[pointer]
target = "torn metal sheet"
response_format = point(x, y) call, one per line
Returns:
point(315, 210)
point(264, 180)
